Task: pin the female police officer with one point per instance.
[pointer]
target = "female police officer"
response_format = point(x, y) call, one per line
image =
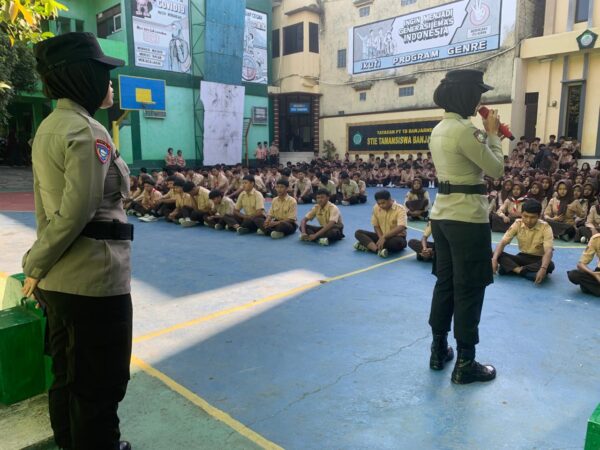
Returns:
point(459, 222)
point(81, 258)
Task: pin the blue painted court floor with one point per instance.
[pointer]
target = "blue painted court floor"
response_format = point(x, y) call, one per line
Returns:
point(298, 346)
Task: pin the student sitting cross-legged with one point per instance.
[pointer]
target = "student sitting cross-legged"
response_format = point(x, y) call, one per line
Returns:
point(281, 219)
point(349, 193)
point(423, 248)
point(221, 207)
point(184, 203)
point(534, 260)
point(389, 221)
point(588, 280)
point(250, 205)
point(330, 220)
point(201, 208)
point(147, 201)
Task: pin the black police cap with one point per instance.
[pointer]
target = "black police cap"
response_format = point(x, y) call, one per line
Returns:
point(68, 48)
point(467, 76)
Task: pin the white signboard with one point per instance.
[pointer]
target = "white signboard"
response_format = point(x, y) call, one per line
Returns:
point(460, 28)
point(223, 122)
point(255, 63)
point(161, 34)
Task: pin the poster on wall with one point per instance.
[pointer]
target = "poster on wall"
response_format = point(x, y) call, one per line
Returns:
point(223, 122)
point(390, 137)
point(161, 34)
point(255, 62)
point(460, 28)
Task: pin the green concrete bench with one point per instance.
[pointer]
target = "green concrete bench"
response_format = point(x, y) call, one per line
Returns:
point(592, 440)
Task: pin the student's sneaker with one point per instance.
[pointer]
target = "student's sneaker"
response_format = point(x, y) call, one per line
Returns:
point(345, 203)
point(242, 230)
point(149, 219)
point(323, 241)
point(361, 248)
point(139, 214)
point(188, 223)
point(277, 234)
point(583, 240)
point(206, 224)
point(303, 237)
point(228, 228)
point(130, 212)
point(181, 221)
point(383, 253)
point(260, 232)
point(218, 226)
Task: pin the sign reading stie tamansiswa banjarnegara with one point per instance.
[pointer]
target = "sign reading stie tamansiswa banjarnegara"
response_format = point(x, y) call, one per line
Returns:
point(460, 28)
point(390, 137)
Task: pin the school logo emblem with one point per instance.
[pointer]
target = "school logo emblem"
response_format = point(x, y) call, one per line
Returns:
point(357, 138)
point(102, 151)
point(480, 136)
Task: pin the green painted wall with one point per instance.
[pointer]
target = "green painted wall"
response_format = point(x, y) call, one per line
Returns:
point(257, 132)
point(176, 130)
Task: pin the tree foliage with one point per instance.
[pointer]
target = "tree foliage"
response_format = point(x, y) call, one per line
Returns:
point(20, 19)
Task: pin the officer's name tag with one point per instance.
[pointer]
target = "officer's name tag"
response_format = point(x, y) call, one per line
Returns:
point(102, 151)
point(480, 136)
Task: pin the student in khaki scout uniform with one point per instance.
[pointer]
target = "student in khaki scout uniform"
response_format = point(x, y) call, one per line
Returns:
point(202, 207)
point(221, 207)
point(146, 202)
point(326, 183)
point(510, 210)
point(165, 205)
point(362, 187)
point(423, 248)
point(184, 204)
point(281, 219)
point(460, 222)
point(80, 183)
point(534, 260)
point(562, 210)
point(417, 201)
point(250, 205)
point(303, 192)
point(588, 280)
point(389, 221)
point(349, 192)
point(592, 225)
point(328, 215)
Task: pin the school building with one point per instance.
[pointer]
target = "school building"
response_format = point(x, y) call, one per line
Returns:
point(183, 43)
point(361, 75)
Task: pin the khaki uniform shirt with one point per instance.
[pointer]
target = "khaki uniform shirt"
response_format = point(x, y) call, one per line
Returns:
point(184, 199)
point(225, 207)
point(203, 203)
point(574, 209)
point(250, 203)
point(362, 186)
point(303, 187)
point(593, 218)
point(592, 250)
point(331, 187)
point(462, 154)
point(350, 189)
point(284, 209)
point(77, 178)
point(412, 197)
point(510, 209)
point(533, 241)
point(390, 219)
point(149, 200)
point(330, 213)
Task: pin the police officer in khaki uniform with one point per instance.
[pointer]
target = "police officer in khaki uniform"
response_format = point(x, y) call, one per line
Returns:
point(79, 266)
point(459, 221)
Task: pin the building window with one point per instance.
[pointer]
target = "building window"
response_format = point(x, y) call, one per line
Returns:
point(293, 39)
point(109, 21)
point(313, 37)
point(572, 111)
point(63, 25)
point(582, 9)
point(406, 91)
point(276, 48)
point(364, 11)
point(362, 96)
point(341, 60)
point(407, 2)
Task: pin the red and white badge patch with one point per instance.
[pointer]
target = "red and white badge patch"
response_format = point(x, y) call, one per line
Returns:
point(103, 151)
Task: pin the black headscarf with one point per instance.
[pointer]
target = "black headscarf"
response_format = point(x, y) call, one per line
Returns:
point(459, 98)
point(85, 82)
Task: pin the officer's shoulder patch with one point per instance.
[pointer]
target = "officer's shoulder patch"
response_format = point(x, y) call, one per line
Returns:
point(480, 136)
point(103, 151)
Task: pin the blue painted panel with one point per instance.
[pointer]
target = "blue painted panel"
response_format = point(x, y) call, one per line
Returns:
point(128, 86)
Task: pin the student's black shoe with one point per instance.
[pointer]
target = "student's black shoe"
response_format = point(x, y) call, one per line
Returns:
point(124, 445)
point(467, 370)
point(441, 352)
point(501, 270)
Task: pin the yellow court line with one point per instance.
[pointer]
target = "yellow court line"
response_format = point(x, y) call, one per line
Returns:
point(204, 405)
point(262, 301)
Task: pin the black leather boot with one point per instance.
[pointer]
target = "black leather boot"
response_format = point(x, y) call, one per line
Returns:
point(467, 370)
point(441, 352)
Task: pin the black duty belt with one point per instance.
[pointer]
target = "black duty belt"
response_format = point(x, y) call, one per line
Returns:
point(115, 230)
point(446, 188)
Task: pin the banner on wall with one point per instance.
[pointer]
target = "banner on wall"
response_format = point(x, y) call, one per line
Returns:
point(255, 62)
point(390, 137)
point(460, 28)
point(161, 34)
point(223, 122)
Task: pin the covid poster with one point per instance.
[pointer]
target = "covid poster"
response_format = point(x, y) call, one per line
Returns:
point(223, 122)
point(161, 34)
point(254, 67)
point(459, 28)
